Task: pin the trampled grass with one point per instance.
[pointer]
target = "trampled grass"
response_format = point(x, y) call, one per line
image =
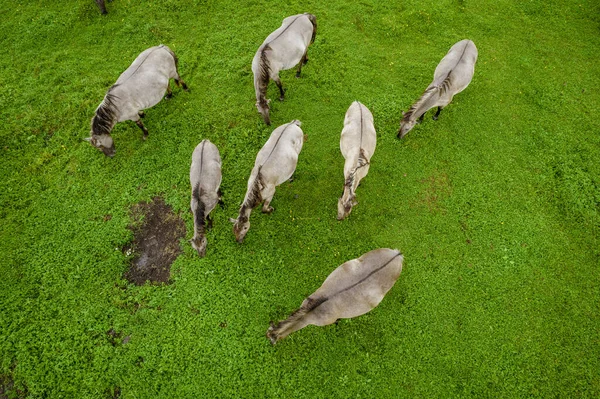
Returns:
point(495, 206)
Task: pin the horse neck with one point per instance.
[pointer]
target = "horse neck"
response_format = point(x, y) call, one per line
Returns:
point(348, 191)
point(427, 101)
point(105, 117)
point(261, 75)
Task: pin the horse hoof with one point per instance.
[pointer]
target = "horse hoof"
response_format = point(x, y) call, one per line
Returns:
point(435, 118)
point(281, 98)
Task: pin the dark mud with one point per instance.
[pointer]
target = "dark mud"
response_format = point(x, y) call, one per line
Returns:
point(157, 231)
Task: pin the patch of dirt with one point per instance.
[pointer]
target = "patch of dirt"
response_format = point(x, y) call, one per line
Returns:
point(156, 242)
point(437, 187)
point(8, 390)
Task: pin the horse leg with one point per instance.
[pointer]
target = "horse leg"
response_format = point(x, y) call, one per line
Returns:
point(281, 90)
point(179, 82)
point(303, 61)
point(221, 203)
point(268, 194)
point(141, 114)
point(169, 91)
point(421, 118)
point(437, 114)
point(141, 126)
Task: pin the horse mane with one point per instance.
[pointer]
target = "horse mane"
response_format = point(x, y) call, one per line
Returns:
point(253, 197)
point(264, 70)
point(199, 213)
point(441, 88)
point(362, 162)
point(106, 113)
point(313, 20)
point(276, 329)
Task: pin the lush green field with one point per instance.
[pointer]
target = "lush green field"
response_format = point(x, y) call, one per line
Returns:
point(496, 206)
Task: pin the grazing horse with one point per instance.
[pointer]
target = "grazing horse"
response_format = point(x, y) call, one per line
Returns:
point(275, 163)
point(452, 75)
point(141, 86)
point(205, 179)
point(357, 144)
point(281, 50)
point(351, 290)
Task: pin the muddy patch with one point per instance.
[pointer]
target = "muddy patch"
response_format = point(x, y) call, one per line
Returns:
point(156, 231)
point(435, 189)
point(8, 389)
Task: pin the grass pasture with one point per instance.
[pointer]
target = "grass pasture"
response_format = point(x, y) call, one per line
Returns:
point(496, 206)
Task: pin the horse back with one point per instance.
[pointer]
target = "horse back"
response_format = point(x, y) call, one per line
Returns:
point(358, 132)
point(279, 156)
point(158, 60)
point(458, 65)
point(206, 167)
point(288, 43)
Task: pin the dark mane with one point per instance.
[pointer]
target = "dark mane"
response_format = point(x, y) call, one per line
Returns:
point(362, 162)
point(199, 212)
point(264, 71)
point(441, 89)
point(311, 304)
point(254, 197)
point(106, 113)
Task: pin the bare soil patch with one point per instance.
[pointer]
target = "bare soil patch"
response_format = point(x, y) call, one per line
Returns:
point(8, 390)
point(436, 188)
point(157, 231)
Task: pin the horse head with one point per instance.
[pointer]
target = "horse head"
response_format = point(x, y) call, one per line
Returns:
point(345, 204)
point(406, 124)
point(241, 225)
point(103, 142)
point(263, 109)
point(199, 244)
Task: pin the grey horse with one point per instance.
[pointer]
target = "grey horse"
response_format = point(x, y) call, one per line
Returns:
point(452, 75)
point(281, 50)
point(357, 144)
point(141, 86)
point(205, 179)
point(275, 163)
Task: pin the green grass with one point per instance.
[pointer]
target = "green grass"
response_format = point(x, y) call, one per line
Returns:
point(496, 206)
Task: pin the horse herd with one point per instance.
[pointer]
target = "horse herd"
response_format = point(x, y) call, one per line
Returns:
point(356, 286)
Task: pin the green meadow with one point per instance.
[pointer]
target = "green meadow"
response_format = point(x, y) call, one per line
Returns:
point(495, 206)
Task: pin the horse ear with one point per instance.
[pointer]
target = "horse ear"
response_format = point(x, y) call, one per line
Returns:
point(232, 220)
point(402, 113)
point(88, 139)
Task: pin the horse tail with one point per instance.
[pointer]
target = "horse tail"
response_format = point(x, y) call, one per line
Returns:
point(313, 20)
point(199, 211)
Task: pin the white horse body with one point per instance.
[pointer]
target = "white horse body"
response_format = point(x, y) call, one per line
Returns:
point(145, 82)
point(283, 49)
point(357, 144)
point(141, 86)
point(205, 179)
point(452, 75)
point(275, 163)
